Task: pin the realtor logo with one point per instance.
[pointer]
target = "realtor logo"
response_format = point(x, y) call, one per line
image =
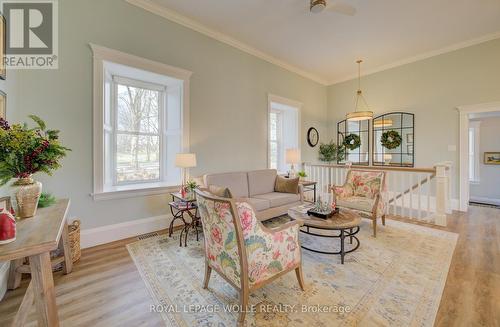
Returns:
point(31, 34)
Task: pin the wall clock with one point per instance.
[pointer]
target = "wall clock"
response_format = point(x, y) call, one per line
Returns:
point(312, 137)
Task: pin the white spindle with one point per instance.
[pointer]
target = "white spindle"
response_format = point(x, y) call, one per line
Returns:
point(419, 214)
point(402, 185)
point(428, 196)
point(410, 176)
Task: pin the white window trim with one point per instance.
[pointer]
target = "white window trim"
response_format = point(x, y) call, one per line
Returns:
point(292, 103)
point(100, 55)
point(476, 126)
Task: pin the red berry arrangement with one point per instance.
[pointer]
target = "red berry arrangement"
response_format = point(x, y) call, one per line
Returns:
point(25, 151)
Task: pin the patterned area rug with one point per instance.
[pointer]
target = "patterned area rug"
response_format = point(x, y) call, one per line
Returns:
point(395, 279)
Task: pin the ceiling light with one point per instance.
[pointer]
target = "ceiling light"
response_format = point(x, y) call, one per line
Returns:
point(317, 6)
point(382, 123)
point(358, 115)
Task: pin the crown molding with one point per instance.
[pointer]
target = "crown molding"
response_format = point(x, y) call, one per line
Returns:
point(176, 17)
point(221, 37)
point(426, 55)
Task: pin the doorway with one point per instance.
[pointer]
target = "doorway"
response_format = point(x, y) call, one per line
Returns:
point(474, 169)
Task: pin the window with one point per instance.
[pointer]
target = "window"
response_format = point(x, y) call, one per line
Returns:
point(283, 130)
point(474, 151)
point(139, 124)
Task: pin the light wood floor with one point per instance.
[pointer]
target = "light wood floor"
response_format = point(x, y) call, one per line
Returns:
point(105, 288)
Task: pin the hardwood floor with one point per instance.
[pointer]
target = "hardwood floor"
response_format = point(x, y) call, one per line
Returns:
point(105, 288)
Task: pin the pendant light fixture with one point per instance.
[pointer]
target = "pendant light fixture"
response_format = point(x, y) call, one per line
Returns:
point(364, 113)
point(382, 123)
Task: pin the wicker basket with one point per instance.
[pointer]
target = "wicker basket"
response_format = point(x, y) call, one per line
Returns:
point(74, 240)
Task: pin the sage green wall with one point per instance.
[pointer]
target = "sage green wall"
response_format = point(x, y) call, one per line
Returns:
point(228, 100)
point(11, 88)
point(431, 89)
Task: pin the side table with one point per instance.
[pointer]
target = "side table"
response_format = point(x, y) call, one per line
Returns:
point(309, 186)
point(178, 207)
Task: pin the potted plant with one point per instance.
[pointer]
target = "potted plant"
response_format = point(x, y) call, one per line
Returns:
point(25, 151)
point(190, 187)
point(330, 152)
point(302, 175)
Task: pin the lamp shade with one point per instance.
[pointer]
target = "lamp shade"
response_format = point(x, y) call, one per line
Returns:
point(185, 160)
point(292, 156)
point(359, 115)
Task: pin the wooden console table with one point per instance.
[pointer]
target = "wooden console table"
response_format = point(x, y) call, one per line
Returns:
point(36, 238)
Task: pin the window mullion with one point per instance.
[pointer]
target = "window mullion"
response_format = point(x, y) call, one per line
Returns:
point(114, 124)
point(162, 108)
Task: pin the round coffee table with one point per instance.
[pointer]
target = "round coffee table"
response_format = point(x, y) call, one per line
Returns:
point(346, 222)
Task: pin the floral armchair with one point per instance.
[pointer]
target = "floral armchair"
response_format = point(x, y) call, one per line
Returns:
point(242, 250)
point(364, 192)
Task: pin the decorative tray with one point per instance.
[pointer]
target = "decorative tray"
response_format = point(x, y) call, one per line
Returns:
point(321, 215)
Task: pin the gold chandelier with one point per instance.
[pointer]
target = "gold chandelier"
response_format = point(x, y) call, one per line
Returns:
point(358, 115)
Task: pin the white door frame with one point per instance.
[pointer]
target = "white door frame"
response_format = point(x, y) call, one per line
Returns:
point(464, 112)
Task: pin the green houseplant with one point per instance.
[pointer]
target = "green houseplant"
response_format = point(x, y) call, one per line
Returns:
point(25, 151)
point(330, 152)
point(302, 174)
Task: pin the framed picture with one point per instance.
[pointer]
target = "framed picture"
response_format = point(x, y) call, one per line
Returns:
point(409, 138)
point(3, 44)
point(3, 105)
point(492, 158)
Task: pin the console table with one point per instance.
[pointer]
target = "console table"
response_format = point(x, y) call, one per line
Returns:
point(36, 237)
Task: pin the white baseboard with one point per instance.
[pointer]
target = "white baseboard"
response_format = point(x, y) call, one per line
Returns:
point(483, 199)
point(110, 233)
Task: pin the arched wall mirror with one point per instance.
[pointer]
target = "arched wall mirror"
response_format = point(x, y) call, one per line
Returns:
point(393, 140)
point(361, 154)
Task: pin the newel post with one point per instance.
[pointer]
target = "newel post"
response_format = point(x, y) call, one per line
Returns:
point(441, 194)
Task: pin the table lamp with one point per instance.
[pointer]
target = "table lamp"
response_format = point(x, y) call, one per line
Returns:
point(185, 161)
point(292, 157)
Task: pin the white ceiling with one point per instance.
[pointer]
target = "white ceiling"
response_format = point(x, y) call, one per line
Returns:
point(324, 46)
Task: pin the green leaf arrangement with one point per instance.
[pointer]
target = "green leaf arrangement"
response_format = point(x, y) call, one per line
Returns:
point(352, 141)
point(391, 139)
point(25, 151)
point(46, 200)
point(331, 152)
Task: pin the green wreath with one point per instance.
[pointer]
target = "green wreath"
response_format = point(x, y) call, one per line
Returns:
point(352, 141)
point(391, 139)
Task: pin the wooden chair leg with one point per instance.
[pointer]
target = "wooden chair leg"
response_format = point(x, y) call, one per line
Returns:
point(300, 277)
point(208, 272)
point(374, 221)
point(244, 303)
point(383, 220)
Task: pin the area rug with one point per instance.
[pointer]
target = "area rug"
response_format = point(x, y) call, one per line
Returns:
point(395, 279)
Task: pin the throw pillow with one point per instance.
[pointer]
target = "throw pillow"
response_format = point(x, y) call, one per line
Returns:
point(286, 185)
point(220, 191)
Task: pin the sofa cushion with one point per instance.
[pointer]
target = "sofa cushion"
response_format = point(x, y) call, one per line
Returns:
point(286, 185)
point(220, 191)
point(257, 204)
point(278, 199)
point(356, 203)
point(261, 181)
point(237, 183)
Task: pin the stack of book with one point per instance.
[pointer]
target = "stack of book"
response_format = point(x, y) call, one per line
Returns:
point(182, 205)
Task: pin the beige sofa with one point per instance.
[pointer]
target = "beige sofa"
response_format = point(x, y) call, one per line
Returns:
point(257, 188)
